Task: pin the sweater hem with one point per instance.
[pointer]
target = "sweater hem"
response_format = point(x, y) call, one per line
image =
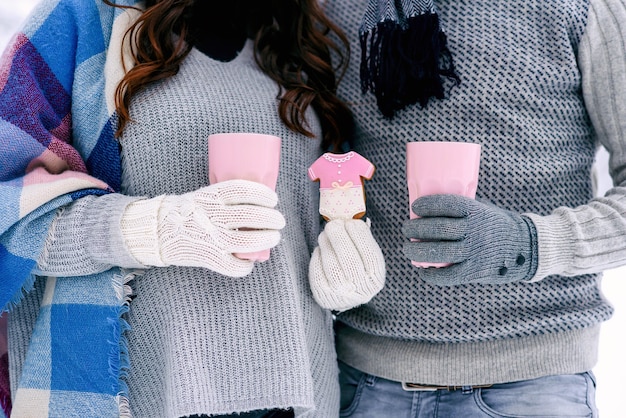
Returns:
point(301, 403)
point(470, 363)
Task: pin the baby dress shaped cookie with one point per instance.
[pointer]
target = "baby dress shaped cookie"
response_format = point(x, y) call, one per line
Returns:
point(341, 184)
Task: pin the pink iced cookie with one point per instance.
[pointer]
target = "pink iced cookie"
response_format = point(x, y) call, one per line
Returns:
point(341, 184)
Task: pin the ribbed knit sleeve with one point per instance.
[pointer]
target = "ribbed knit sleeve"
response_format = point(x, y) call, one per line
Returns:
point(592, 238)
point(85, 238)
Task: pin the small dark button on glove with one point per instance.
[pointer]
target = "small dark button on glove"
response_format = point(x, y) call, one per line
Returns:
point(484, 243)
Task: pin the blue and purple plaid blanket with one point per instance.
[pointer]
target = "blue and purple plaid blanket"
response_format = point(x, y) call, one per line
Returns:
point(56, 145)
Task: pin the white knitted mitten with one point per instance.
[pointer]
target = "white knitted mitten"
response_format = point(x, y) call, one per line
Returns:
point(347, 268)
point(205, 227)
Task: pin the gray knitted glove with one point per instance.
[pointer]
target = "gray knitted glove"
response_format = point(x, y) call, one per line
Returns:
point(486, 244)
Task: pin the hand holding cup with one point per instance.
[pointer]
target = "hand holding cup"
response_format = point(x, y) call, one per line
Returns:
point(245, 156)
point(441, 168)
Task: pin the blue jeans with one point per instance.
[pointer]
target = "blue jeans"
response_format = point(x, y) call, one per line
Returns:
point(364, 395)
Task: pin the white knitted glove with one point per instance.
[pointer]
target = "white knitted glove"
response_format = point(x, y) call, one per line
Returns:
point(347, 268)
point(205, 227)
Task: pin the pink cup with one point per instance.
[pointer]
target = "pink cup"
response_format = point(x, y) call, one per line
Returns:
point(245, 156)
point(441, 168)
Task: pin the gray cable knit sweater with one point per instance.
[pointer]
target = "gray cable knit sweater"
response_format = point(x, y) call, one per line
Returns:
point(202, 343)
point(542, 84)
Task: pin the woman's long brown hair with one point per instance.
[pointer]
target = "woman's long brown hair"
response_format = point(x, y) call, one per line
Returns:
point(293, 47)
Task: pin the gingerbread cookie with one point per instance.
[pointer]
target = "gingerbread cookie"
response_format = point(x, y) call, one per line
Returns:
point(341, 184)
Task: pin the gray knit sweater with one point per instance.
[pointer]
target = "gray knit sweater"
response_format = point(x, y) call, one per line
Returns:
point(202, 343)
point(543, 83)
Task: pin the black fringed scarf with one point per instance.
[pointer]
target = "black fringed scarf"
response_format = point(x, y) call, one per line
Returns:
point(404, 54)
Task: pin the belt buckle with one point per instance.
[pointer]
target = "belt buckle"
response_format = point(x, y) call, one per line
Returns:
point(414, 387)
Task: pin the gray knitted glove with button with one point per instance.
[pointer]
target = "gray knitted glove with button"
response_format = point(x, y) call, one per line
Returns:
point(484, 243)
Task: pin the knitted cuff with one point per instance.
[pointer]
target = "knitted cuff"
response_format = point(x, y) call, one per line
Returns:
point(139, 226)
point(554, 245)
point(534, 252)
point(85, 238)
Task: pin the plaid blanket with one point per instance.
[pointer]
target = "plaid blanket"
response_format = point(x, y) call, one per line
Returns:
point(57, 145)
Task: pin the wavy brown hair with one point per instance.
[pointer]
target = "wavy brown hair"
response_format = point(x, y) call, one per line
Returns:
point(294, 42)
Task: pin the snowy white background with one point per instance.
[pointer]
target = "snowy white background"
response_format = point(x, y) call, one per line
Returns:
point(611, 368)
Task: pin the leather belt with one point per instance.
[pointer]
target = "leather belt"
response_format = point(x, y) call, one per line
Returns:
point(412, 387)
